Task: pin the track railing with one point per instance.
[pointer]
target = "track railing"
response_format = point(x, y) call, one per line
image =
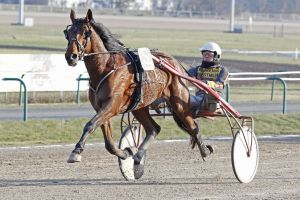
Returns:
point(274, 76)
point(79, 79)
point(22, 84)
point(267, 76)
point(261, 78)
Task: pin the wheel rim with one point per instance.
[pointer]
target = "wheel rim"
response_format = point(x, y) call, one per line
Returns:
point(245, 155)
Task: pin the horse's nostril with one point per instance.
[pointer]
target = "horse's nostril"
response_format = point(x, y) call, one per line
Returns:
point(73, 56)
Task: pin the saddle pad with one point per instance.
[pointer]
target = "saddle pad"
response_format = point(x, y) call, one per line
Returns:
point(146, 59)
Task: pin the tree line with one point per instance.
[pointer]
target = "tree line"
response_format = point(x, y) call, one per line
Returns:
point(220, 7)
point(224, 6)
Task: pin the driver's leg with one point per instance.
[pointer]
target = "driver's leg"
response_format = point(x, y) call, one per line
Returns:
point(212, 104)
point(198, 103)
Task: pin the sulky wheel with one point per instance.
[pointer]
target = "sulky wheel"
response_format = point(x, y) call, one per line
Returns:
point(131, 139)
point(245, 155)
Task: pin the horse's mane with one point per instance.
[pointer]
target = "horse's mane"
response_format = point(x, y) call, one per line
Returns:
point(110, 41)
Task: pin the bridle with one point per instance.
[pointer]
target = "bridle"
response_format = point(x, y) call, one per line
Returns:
point(81, 48)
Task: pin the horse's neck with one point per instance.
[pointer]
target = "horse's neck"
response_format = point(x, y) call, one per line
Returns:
point(97, 64)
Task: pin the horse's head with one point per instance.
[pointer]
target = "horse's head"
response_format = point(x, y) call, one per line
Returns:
point(78, 35)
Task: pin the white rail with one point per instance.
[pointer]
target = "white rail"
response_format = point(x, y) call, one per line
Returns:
point(265, 76)
point(295, 54)
point(263, 73)
point(262, 78)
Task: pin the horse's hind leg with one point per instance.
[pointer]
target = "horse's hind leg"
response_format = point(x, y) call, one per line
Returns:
point(190, 126)
point(151, 128)
point(109, 141)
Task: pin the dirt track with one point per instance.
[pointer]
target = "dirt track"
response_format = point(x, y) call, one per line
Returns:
point(173, 171)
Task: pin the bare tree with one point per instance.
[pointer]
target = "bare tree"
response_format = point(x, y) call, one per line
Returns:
point(122, 4)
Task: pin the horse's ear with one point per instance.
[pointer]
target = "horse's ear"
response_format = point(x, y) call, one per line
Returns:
point(89, 15)
point(72, 15)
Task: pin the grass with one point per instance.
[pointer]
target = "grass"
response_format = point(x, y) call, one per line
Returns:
point(69, 131)
point(37, 36)
point(176, 42)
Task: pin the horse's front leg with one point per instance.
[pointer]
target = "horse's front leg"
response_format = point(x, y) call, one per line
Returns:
point(87, 130)
point(106, 112)
point(99, 119)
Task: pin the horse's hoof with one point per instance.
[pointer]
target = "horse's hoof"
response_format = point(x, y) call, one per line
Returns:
point(131, 150)
point(206, 150)
point(128, 152)
point(138, 170)
point(138, 157)
point(74, 157)
point(193, 142)
point(210, 148)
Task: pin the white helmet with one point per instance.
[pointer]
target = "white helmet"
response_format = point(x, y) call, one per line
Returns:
point(213, 47)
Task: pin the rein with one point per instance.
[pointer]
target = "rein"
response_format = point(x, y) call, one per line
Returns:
point(92, 54)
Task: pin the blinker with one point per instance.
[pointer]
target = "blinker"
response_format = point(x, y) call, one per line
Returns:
point(88, 33)
point(66, 31)
point(66, 34)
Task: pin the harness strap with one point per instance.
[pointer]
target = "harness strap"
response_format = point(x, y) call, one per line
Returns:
point(136, 63)
point(137, 95)
point(138, 76)
point(106, 76)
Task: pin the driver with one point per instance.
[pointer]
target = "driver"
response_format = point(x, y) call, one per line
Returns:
point(213, 74)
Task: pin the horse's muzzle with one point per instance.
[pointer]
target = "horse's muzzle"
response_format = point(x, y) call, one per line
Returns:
point(72, 59)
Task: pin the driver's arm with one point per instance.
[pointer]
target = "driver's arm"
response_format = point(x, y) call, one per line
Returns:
point(221, 80)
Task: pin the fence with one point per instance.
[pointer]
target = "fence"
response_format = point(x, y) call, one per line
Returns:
point(292, 54)
point(156, 12)
point(267, 76)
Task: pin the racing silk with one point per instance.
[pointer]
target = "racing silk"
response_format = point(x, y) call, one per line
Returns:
point(214, 76)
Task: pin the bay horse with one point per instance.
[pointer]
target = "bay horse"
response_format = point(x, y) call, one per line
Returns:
point(112, 87)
